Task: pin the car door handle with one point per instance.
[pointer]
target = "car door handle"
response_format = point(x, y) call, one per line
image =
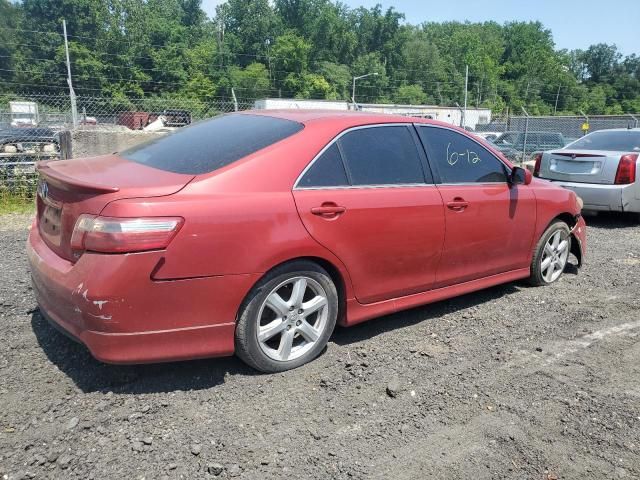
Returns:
point(458, 204)
point(328, 210)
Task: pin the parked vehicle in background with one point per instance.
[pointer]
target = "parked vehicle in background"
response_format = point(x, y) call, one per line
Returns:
point(176, 118)
point(488, 136)
point(24, 114)
point(512, 144)
point(257, 232)
point(601, 168)
point(21, 148)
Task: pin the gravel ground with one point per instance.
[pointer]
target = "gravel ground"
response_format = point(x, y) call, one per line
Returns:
point(510, 382)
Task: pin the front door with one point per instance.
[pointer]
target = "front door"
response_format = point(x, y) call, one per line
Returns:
point(367, 199)
point(489, 222)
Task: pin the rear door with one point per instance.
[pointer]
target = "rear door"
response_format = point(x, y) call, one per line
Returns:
point(489, 223)
point(369, 199)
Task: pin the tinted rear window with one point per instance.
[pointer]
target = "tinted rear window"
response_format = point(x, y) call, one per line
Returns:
point(326, 171)
point(619, 141)
point(212, 144)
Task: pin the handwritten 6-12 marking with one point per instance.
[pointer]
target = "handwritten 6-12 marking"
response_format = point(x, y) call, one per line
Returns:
point(453, 157)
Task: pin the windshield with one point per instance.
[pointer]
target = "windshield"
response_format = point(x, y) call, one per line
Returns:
point(212, 144)
point(618, 141)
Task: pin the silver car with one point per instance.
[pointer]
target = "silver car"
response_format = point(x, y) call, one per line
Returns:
point(600, 168)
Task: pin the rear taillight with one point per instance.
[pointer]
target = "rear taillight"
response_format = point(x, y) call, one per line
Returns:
point(536, 168)
point(121, 235)
point(626, 173)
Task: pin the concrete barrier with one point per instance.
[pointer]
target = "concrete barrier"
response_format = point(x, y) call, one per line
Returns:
point(101, 140)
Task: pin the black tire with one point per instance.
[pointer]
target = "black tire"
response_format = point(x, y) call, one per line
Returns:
point(537, 278)
point(248, 347)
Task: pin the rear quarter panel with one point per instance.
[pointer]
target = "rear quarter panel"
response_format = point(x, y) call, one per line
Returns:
point(241, 218)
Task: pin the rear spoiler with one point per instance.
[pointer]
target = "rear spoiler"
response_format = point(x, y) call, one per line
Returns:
point(64, 182)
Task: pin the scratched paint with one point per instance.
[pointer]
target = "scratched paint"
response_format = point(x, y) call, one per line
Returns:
point(100, 303)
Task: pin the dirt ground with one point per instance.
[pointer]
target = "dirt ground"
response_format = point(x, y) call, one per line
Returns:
point(511, 382)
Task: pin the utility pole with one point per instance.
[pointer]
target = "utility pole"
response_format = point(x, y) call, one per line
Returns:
point(555, 109)
point(268, 43)
point(526, 132)
point(72, 94)
point(466, 85)
point(220, 42)
point(439, 93)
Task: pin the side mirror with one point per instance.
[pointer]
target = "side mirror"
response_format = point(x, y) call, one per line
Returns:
point(520, 176)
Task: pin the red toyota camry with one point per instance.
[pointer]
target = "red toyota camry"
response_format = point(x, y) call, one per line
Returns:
point(255, 233)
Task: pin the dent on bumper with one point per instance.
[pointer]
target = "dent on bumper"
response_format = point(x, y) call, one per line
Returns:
point(614, 198)
point(111, 304)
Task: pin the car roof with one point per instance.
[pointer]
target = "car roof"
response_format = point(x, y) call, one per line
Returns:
point(617, 130)
point(533, 131)
point(342, 116)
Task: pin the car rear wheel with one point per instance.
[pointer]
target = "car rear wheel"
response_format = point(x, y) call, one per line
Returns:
point(551, 254)
point(287, 319)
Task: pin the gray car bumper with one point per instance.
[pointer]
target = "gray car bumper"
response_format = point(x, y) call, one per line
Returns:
point(607, 198)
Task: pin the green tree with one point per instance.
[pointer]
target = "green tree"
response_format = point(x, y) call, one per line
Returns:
point(291, 52)
point(601, 61)
point(250, 82)
point(9, 20)
point(412, 95)
point(338, 76)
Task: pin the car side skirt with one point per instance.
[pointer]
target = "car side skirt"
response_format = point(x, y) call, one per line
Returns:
point(357, 312)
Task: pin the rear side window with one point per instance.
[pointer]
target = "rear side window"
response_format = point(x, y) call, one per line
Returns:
point(212, 144)
point(550, 138)
point(382, 156)
point(326, 171)
point(459, 159)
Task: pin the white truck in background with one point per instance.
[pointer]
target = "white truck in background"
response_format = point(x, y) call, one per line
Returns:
point(24, 114)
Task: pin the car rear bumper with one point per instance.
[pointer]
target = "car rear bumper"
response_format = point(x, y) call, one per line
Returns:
point(111, 304)
point(608, 198)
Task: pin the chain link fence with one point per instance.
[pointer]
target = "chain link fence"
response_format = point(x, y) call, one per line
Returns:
point(41, 127)
point(520, 137)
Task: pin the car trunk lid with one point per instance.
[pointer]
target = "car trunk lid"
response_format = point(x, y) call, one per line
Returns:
point(581, 166)
point(70, 188)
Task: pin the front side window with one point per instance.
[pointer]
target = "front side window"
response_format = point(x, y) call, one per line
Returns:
point(382, 156)
point(458, 159)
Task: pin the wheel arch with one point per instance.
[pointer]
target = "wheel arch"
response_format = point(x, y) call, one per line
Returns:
point(337, 277)
point(571, 220)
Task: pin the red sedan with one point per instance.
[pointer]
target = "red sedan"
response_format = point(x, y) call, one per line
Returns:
point(255, 233)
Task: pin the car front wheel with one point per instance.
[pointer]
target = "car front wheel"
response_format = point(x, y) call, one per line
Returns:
point(287, 318)
point(551, 254)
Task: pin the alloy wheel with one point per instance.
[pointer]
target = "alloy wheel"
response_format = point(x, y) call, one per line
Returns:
point(292, 318)
point(554, 257)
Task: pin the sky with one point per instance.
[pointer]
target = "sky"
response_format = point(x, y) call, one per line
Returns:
point(575, 24)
